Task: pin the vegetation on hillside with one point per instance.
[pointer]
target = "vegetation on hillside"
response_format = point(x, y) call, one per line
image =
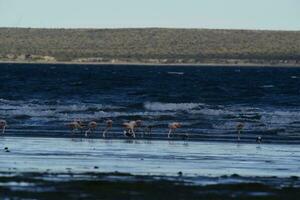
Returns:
point(152, 45)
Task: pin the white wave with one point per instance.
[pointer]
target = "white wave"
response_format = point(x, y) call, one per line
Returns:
point(157, 106)
point(39, 110)
point(76, 108)
point(176, 73)
point(6, 101)
point(59, 108)
point(103, 114)
point(280, 118)
point(3, 100)
point(267, 86)
point(59, 112)
point(230, 125)
point(67, 113)
point(213, 112)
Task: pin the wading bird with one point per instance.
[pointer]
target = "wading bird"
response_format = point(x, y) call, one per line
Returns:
point(3, 125)
point(91, 128)
point(130, 126)
point(75, 125)
point(172, 128)
point(259, 139)
point(109, 124)
point(239, 128)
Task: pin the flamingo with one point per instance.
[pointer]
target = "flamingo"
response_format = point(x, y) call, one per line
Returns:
point(239, 128)
point(91, 127)
point(259, 139)
point(172, 127)
point(130, 126)
point(75, 125)
point(109, 124)
point(3, 125)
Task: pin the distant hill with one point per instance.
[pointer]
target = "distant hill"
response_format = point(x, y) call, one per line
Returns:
point(150, 45)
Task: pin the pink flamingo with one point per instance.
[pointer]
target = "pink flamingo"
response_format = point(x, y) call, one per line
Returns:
point(172, 128)
point(109, 124)
point(91, 127)
point(3, 125)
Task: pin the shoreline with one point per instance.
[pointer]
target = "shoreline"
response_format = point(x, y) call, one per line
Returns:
point(226, 138)
point(152, 64)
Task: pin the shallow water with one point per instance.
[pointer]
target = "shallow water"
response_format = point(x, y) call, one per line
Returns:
point(207, 100)
point(144, 157)
point(68, 168)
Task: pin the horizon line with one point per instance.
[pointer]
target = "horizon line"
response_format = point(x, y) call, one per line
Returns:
point(153, 27)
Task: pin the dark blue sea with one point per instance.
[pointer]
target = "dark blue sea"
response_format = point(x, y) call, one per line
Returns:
point(206, 100)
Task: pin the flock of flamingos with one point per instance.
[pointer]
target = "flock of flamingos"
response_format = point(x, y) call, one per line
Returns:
point(128, 127)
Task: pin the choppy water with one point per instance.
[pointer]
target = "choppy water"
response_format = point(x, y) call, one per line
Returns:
point(207, 100)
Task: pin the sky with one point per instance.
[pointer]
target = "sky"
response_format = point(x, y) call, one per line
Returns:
point(217, 14)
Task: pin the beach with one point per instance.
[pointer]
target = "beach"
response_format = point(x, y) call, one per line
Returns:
point(140, 64)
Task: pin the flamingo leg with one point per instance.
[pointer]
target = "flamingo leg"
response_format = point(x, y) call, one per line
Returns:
point(88, 131)
point(128, 130)
point(170, 131)
point(148, 130)
point(104, 132)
